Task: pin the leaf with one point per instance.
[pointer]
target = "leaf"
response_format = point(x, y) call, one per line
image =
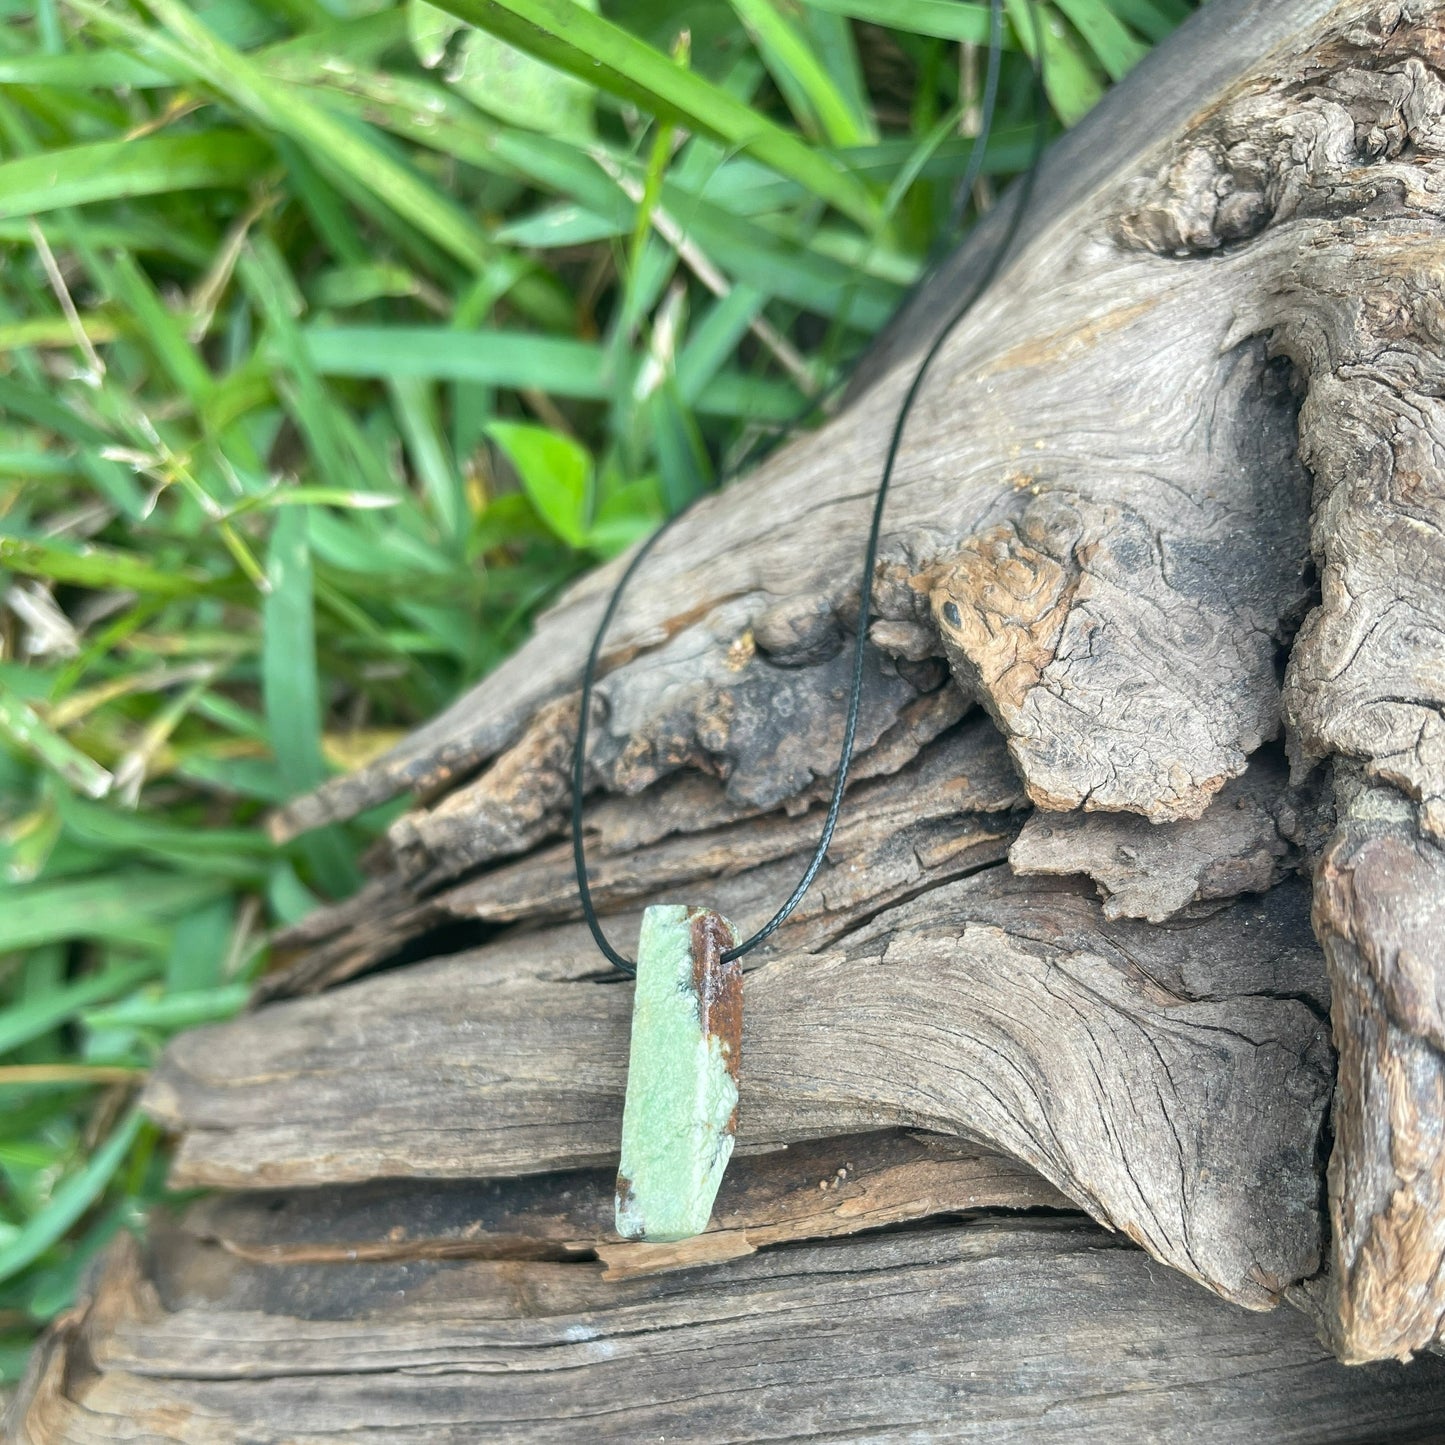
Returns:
point(342, 497)
point(26, 842)
point(291, 690)
point(199, 946)
point(427, 449)
point(942, 19)
point(170, 1011)
point(564, 224)
point(36, 1017)
point(241, 853)
point(124, 904)
point(518, 360)
point(357, 284)
point(98, 567)
point(113, 170)
point(801, 76)
point(628, 513)
point(565, 35)
point(500, 79)
point(1117, 51)
point(681, 455)
point(714, 339)
point(555, 472)
point(24, 727)
point(56, 331)
point(288, 896)
point(1153, 19)
point(1072, 87)
point(95, 70)
point(73, 1197)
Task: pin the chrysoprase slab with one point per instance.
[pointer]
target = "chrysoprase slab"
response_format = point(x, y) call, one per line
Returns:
point(682, 1073)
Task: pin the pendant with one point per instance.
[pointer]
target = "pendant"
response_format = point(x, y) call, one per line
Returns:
point(680, 1114)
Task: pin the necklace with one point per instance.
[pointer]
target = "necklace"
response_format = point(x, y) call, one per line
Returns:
point(679, 1117)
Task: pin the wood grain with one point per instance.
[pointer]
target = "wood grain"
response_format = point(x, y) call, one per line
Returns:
point(1029, 1333)
point(1244, 842)
point(818, 1189)
point(1016, 1016)
point(1380, 908)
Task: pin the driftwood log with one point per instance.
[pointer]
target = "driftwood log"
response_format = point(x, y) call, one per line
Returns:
point(1117, 1018)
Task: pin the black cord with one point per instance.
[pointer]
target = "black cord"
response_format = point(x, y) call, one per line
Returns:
point(1022, 194)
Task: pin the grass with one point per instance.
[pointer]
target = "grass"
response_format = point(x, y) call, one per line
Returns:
point(335, 337)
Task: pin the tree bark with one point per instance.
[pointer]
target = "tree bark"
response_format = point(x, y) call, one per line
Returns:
point(1156, 678)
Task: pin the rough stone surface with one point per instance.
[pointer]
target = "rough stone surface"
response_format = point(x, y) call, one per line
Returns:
point(680, 1113)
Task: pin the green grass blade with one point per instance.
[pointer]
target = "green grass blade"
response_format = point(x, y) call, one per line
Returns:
point(421, 430)
point(99, 568)
point(798, 70)
point(96, 70)
point(36, 1017)
point(121, 905)
point(1072, 86)
point(1116, 49)
point(290, 687)
point(715, 339)
point(199, 948)
point(26, 730)
point(941, 19)
point(71, 1199)
point(609, 57)
point(516, 360)
point(358, 41)
point(171, 1011)
point(293, 700)
point(112, 170)
point(1153, 19)
point(232, 852)
point(832, 38)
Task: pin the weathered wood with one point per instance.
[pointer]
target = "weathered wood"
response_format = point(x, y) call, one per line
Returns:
point(1116, 1059)
point(1380, 909)
point(814, 1190)
point(1037, 1333)
point(934, 814)
point(1244, 842)
point(1355, 307)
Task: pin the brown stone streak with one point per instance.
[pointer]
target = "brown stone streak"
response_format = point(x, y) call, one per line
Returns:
point(624, 1196)
point(719, 987)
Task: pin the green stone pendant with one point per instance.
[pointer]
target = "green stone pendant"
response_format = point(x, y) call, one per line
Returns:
point(682, 1074)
